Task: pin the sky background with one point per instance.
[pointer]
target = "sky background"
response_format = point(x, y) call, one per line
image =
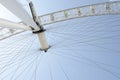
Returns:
point(82, 49)
point(46, 6)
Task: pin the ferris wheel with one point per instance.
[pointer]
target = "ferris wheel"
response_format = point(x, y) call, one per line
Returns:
point(80, 43)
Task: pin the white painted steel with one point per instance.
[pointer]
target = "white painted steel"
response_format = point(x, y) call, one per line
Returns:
point(17, 9)
point(43, 41)
point(12, 25)
point(108, 8)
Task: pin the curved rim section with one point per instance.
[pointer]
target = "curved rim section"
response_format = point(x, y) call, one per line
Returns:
point(108, 8)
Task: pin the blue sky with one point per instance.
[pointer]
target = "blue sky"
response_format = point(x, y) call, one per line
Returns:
point(46, 6)
point(55, 5)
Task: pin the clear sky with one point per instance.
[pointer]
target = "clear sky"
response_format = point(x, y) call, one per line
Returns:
point(47, 6)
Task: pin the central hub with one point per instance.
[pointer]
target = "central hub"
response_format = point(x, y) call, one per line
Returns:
point(40, 33)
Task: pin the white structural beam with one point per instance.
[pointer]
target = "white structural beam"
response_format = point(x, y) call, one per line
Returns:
point(43, 41)
point(17, 9)
point(40, 33)
point(108, 8)
point(8, 24)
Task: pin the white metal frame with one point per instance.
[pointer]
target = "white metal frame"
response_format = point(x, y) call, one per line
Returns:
point(108, 8)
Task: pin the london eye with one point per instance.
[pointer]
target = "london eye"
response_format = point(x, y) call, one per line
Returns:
point(75, 41)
